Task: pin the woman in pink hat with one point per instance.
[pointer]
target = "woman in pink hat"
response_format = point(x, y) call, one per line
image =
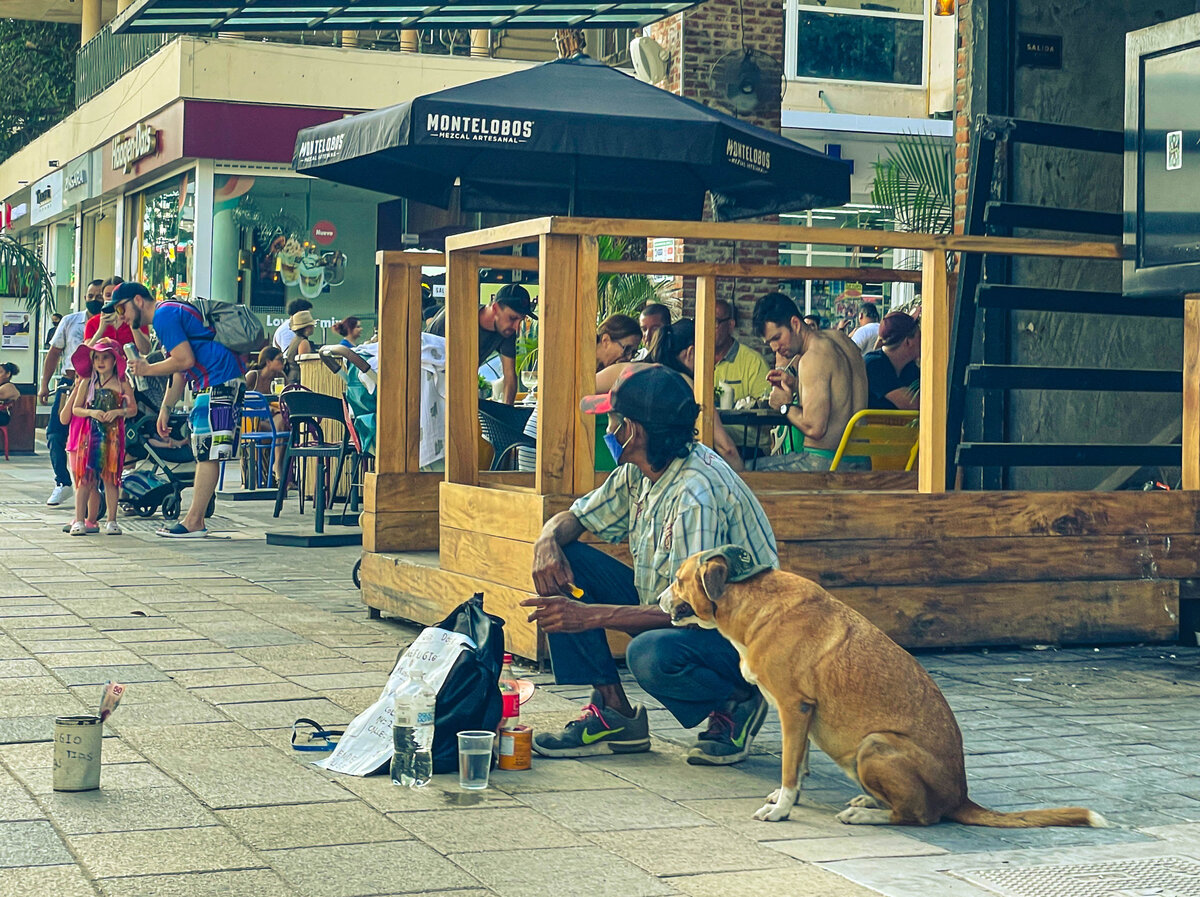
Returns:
point(102, 402)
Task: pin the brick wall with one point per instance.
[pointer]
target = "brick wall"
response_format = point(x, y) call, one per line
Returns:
point(695, 40)
point(962, 131)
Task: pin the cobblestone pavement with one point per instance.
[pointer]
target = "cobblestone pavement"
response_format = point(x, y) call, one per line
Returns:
point(224, 642)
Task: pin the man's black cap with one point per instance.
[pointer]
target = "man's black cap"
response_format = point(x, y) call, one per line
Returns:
point(123, 293)
point(654, 396)
point(517, 298)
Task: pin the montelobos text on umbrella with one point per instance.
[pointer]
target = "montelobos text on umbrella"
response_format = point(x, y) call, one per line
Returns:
point(322, 148)
point(459, 127)
point(748, 156)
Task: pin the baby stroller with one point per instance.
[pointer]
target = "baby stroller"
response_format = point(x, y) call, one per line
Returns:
point(161, 473)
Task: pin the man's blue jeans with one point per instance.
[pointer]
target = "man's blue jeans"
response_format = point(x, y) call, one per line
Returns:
point(692, 672)
point(56, 436)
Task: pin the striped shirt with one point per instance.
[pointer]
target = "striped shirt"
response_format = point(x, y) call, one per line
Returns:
point(698, 503)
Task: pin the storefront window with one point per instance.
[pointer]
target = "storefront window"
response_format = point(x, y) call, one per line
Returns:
point(276, 239)
point(850, 40)
point(168, 214)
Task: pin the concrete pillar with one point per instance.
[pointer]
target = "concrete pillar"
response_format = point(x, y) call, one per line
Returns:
point(481, 44)
point(89, 24)
point(409, 42)
point(350, 39)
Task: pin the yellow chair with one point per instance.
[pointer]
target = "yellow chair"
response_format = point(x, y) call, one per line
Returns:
point(888, 438)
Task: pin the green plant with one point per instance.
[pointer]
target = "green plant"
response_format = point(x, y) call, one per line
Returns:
point(23, 276)
point(915, 182)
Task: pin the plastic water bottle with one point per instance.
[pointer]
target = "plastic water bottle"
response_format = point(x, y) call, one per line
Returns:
point(412, 734)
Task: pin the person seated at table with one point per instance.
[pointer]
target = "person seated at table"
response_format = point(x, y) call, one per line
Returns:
point(303, 324)
point(8, 392)
point(669, 498)
point(675, 347)
point(653, 318)
point(617, 340)
point(350, 330)
point(361, 388)
point(738, 365)
point(283, 333)
point(499, 322)
point(822, 384)
point(892, 372)
point(265, 369)
point(812, 322)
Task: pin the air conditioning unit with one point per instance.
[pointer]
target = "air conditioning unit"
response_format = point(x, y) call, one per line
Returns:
point(649, 59)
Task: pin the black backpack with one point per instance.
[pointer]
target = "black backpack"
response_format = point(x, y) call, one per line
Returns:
point(470, 696)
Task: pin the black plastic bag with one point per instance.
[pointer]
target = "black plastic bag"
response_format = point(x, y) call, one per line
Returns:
point(470, 696)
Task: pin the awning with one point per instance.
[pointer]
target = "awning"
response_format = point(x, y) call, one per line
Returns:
point(207, 16)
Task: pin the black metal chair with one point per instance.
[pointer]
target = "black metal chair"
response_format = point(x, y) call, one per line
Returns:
point(306, 413)
point(503, 427)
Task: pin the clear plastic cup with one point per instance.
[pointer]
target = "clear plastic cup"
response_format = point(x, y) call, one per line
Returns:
point(474, 759)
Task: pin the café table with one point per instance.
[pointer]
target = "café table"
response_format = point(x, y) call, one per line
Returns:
point(751, 420)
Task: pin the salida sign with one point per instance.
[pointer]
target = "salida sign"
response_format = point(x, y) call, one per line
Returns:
point(130, 148)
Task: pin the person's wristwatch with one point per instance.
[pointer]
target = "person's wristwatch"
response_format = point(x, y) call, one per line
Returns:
point(785, 408)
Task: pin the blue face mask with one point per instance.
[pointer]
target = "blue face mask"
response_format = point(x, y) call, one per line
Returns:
point(615, 446)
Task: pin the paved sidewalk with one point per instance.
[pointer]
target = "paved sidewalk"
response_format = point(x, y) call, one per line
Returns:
point(224, 642)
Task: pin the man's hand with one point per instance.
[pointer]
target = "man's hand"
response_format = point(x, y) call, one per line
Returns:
point(551, 571)
point(164, 423)
point(558, 614)
point(139, 367)
point(43, 396)
point(112, 319)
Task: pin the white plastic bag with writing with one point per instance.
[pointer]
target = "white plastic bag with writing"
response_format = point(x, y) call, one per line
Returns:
point(367, 744)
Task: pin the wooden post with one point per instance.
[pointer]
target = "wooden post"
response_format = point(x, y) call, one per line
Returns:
point(935, 357)
point(1191, 391)
point(704, 380)
point(558, 361)
point(587, 280)
point(391, 421)
point(462, 367)
point(411, 397)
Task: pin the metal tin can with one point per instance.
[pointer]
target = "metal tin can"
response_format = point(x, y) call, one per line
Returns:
point(77, 741)
point(516, 748)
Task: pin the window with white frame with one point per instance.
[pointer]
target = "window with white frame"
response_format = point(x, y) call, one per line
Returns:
point(853, 40)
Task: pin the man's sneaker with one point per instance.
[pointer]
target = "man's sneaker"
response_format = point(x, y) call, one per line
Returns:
point(730, 732)
point(59, 494)
point(598, 729)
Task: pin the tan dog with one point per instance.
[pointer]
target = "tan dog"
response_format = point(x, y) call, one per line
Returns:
point(864, 700)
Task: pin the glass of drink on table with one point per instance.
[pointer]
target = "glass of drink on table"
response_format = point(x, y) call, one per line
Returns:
point(474, 759)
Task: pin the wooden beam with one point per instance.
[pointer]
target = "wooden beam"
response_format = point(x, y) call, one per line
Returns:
point(704, 382)
point(401, 491)
point(1191, 391)
point(462, 367)
point(496, 512)
point(400, 531)
point(935, 354)
point(769, 272)
point(504, 235)
point(506, 562)
point(411, 396)
point(587, 302)
point(391, 418)
point(558, 361)
point(872, 239)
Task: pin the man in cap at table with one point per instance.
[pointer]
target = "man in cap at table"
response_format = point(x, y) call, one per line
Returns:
point(669, 498)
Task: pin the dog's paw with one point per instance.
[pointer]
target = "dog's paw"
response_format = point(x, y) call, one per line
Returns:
point(865, 800)
point(779, 805)
point(864, 816)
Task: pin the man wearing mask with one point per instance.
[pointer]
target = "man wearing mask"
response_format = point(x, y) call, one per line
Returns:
point(669, 498)
point(67, 337)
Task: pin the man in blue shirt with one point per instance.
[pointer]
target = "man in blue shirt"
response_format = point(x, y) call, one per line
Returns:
point(216, 377)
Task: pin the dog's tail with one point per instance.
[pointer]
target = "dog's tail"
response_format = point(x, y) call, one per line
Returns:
point(970, 813)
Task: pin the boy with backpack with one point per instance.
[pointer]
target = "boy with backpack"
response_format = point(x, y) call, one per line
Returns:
point(196, 338)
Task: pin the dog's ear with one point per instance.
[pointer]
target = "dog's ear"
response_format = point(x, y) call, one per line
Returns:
point(713, 577)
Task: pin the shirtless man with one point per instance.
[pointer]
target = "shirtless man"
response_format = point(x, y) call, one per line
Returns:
point(820, 397)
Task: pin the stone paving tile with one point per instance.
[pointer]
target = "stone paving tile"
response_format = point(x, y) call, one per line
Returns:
point(30, 844)
point(53, 646)
point(122, 776)
point(16, 805)
point(606, 811)
point(313, 825)
point(375, 679)
point(881, 844)
point(61, 881)
point(359, 869)
point(210, 661)
point(149, 650)
point(690, 850)
point(664, 772)
point(264, 777)
point(157, 714)
point(20, 668)
point(97, 675)
point(113, 657)
point(490, 829)
point(442, 793)
point(41, 756)
point(22, 729)
point(797, 879)
point(555, 775)
point(545, 873)
point(239, 883)
point(230, 676)
point(33, 685)
point(48, 705)
point(161, 852)
point(281, 714)
point(158, 740)
point(253, 694)
point(125, 810)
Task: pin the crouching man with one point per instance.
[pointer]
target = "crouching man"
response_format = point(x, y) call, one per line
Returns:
point(669, 498)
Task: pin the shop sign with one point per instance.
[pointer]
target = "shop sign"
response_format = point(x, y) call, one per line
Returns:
point(324, 232)
point(1042, 51)
point(47, 199)
point(130, 148)
point(77, 180)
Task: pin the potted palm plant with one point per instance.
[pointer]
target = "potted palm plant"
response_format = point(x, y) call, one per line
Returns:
point(23, 275)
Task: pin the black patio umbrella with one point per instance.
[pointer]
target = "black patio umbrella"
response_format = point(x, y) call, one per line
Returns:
point(572, 137)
